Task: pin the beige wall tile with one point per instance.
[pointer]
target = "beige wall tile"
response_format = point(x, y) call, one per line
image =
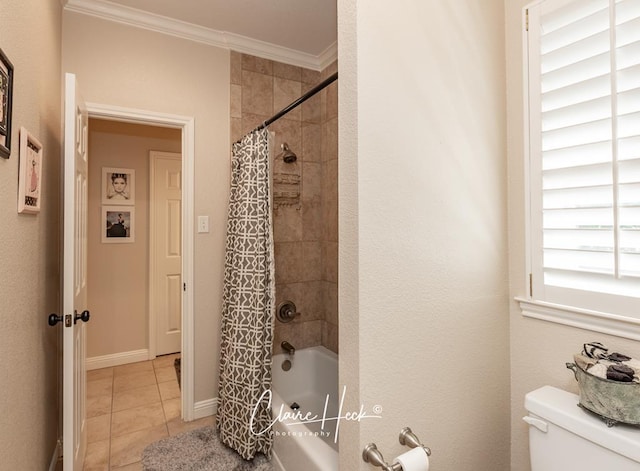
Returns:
point(332, 101)
point(331, 302)
point(311, 261)
point(236, 130)
point(236, 67)
point(310, 334)
point(330, 336)
point(312, 221)
point(257, 64)
point(287, 224)
point(313, 301)
point(286, 92)
point(287, 71)
point(311, 181)
point(236, 101)
point(310, 76)
point(330, 255)
point(250, 121)
point(257, 93)
point(311, 142)
point(293, 292)
point(312, 109)
point(330, 140)
point(288, 257)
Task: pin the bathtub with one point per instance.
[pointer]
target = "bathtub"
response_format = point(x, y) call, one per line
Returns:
point(312, 379)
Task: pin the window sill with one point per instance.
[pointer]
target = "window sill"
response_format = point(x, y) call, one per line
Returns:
point(604, 323)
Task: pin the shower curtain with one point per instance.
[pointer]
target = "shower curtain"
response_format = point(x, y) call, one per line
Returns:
point(243, 416)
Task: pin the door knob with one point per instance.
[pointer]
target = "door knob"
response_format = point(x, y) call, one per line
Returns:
point(54, 319)
point(84, 317)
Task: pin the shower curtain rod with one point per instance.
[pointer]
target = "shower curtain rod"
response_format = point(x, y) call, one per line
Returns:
point(328, 81)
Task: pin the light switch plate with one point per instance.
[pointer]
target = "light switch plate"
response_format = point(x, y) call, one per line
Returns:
point(203, 224)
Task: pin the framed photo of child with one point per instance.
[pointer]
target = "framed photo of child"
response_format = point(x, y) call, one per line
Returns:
point(118, 225)
point(118, 186)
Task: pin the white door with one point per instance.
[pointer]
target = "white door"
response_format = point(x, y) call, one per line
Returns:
point(166, 250)
point(74, 302)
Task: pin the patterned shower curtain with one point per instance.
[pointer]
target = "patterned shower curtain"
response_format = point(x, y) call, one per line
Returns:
point(248, 303)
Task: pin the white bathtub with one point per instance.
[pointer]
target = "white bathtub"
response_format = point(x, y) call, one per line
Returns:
point(312, 379)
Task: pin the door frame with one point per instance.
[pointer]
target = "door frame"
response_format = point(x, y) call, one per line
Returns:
point(187, 125)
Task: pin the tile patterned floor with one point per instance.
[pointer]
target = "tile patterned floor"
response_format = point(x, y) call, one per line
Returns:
point(129, 407)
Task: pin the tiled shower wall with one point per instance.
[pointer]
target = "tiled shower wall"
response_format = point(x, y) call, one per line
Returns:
point(306, 235)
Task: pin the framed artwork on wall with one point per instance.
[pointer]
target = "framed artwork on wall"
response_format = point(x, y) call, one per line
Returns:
point(30, 176)
point(118, 186)
point(6, 93)
point(118, 224)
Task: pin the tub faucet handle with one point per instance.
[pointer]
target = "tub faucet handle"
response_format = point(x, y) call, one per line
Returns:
point(286, 311)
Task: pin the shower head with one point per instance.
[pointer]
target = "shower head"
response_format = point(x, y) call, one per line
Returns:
point(287, 154)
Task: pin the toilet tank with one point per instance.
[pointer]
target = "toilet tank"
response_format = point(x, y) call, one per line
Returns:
point(563, 437)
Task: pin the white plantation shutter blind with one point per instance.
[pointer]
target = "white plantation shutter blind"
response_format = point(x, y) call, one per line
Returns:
point(584, 152)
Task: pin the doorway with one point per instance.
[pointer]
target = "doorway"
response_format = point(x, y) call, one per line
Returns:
point(181, 129)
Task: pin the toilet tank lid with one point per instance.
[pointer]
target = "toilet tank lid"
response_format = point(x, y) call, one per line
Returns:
point(561, 408)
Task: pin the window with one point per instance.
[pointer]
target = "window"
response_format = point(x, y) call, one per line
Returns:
point(583, 157)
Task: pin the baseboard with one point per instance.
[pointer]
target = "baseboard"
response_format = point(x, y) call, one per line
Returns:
point(56, 456)
point(116, 359)
point(205, 408)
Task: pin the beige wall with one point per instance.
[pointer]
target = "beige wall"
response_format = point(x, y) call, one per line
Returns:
point(134, 68)
point(539, 349)
point(118, 276)
point(423, 266)
point(29, 251)
point(305, 234)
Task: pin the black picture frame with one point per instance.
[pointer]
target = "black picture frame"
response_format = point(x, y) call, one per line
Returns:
point(6, 95)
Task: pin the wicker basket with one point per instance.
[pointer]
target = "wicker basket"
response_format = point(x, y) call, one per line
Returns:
point(612, 400)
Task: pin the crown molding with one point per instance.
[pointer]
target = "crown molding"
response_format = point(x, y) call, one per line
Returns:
point(161, 24)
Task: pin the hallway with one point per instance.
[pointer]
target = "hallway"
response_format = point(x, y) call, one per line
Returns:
point(129, 407)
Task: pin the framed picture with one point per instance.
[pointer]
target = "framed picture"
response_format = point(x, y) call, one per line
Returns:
point(118, 224)
point(6, 93)
point(118, 185)
point(30, 177)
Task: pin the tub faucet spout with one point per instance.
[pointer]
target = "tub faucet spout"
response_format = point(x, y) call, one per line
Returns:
point(287, 347)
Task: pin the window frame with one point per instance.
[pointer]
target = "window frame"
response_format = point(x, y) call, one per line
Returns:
point(532, 305)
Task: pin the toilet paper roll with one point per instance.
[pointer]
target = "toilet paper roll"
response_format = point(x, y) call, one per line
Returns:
point(415, 459)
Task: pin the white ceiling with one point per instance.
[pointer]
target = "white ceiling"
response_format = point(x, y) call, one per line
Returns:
point(308, 27)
